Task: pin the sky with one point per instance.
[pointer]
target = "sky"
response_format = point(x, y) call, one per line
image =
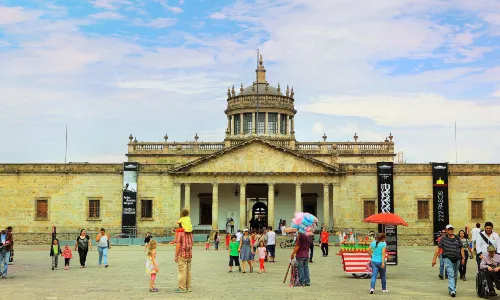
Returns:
point(110, 68)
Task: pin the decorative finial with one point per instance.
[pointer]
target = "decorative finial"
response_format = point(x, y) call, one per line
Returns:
point(196, 137)
point(241, 88)
point(130, 137)
point(324, 137)
point(165, 137)
point(267, 87)
point(355, 137)
point(386, 140)
point(233, 92)
point(135, 140)
point(227, 131)
point(253, 88)
point(279, 89)
point(292, 93)
point(260, 60)
point(287, 90)
point(228, 93)
point(390, 137)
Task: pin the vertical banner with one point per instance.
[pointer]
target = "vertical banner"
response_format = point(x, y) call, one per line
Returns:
point(129, 197)
point(440, 197)
point(385, 199)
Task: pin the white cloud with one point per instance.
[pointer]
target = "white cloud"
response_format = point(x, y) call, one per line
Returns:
point(15, 15)
point(317, 127)
point(107, 15)
point(110, 4)
point(402, 110)
point(157, 23)
point(173, 9)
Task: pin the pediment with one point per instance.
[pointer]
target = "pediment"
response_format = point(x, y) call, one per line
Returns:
point(256, 156)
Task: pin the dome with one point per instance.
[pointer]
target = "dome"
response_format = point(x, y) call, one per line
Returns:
point(264, 89)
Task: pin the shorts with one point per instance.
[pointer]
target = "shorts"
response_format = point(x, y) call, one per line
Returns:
point(235, 260)
point(153, 276)
point(271, 250)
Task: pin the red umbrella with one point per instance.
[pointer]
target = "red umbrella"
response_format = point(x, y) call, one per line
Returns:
point(386, 219)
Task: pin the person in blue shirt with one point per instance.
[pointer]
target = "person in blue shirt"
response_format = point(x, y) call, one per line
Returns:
point(377, 251)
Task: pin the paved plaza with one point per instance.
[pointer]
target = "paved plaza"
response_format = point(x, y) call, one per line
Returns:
point(31, 277)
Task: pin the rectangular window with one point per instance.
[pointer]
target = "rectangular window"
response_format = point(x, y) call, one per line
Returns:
point(369, 208)
point(94, 208)
point(147, 209)
point(247, 123)
point(423, 209)
point(272, 123)
point(476, 209)
point(261, 123)
point(237, 124)
point(283, 124)
point(42, 209)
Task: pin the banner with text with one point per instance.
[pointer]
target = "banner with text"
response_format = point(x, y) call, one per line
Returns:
point(385, 188)
point(129, 196)
point(391, 238)
point(440, 197)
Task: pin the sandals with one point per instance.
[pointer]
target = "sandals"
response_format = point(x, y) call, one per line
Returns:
point(251, 269)
point(153, 290)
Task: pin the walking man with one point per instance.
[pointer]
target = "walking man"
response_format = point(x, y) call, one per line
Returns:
point(5, 247)
point(183, 256)
point(271, 243)
point(103, 244)
point(486, 238)
point(324, 242)
point(453, 255)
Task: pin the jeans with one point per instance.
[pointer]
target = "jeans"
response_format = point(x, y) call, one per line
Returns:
point(311, 252)
point(441, 264)
point(463, 268)
point(83, 256)
point(377, 268)
point(216, 245)
point(4, 258)
point(103, 255)
point(324, 248)
point(303, 268)
point(452, 272)
point(55, 261)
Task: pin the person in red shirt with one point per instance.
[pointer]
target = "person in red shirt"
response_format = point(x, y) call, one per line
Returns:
point(324, 242)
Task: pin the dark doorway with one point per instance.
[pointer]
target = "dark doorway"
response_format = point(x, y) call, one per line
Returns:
point(205, 209)
point(259, 214)
point(310, 203)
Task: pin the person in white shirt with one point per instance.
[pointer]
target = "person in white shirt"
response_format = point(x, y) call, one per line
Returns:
point(238, 236)
point(485, 238)
point(474, 234)
point(271, 243)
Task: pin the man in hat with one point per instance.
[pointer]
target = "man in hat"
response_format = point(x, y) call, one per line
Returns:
point(491, 266)
point(453, 255)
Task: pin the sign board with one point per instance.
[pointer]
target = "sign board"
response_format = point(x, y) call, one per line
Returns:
point(129, 213)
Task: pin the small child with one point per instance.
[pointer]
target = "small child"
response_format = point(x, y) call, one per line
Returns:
point(152, 265)
point(234, 254)
point(55, 250)
point(68, 255)
point(184, 222)
point(207, 243)
point(262, 256)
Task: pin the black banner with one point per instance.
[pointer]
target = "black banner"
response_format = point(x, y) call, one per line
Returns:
point(385, 188)
point(129, 197)
point(440, 197)
point(391, 238)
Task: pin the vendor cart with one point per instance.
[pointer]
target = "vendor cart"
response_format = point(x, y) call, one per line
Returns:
point(357, 264)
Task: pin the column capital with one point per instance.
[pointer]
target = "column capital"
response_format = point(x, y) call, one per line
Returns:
point(270, 184)
point(242, 184)
point(298, 184)
point(187, 184)
point(215, 184)
point(336, 183)
point(326, 184)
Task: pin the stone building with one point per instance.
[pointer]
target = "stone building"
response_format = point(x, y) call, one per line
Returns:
point(259, 171)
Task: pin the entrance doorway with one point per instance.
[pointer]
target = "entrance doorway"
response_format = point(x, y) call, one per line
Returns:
point(310, 203)
point(259, 215)
point(205, 209)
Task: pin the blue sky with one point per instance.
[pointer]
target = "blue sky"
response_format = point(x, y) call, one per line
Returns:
point(108, 68)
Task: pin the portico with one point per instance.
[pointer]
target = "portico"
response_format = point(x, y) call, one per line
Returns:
point(275, 184)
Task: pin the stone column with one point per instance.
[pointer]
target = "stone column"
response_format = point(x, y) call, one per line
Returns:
point(326, 205)
point(232, 125)
point(243, 206)
point(298, 197)
point(293, 124)
point(241, 124)
point(266, 130)
point(215, 206)
point(270, 204)
point(187, 195)
point(254, 124)
point(287, 125)
point(279, 124)
point(228, 122)
point(336, 204)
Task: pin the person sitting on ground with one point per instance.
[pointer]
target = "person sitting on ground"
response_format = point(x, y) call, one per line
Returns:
point(491, 266)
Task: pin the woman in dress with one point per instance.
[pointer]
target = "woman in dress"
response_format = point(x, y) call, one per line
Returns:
point(83, 245)
point(246, 251)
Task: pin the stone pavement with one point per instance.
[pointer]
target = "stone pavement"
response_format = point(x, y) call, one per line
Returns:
point(31, 277)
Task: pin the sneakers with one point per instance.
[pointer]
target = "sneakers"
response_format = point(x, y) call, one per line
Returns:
point(385, 291)
point(372, 290)
point(453, 294)
point(464, 278)
point(440, 276)
point(106, 266)
point(180, 291)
